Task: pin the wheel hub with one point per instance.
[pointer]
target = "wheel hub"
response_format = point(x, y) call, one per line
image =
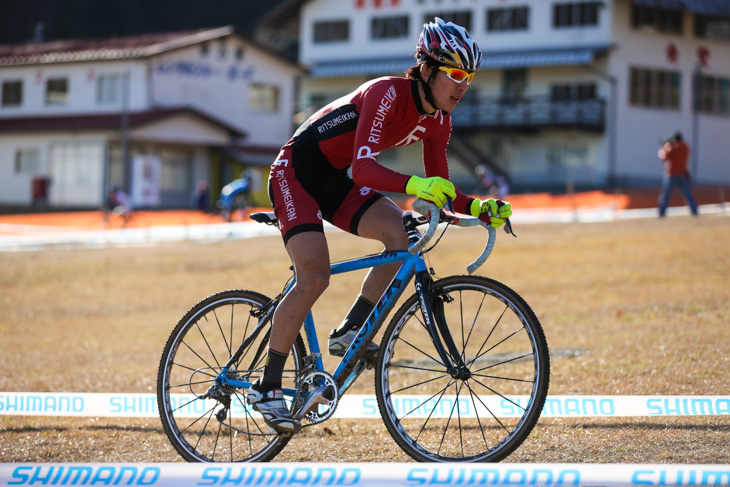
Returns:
point(460, 373)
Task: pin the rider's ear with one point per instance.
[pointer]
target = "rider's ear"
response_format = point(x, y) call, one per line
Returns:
point(426, 72)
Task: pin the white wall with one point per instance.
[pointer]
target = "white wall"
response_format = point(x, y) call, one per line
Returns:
point(15, 189)
point(640, 128)
point(82, 87)
point(362, 46)
point(218, 85)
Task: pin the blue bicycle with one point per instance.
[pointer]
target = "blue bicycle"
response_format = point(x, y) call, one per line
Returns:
point(462, 372)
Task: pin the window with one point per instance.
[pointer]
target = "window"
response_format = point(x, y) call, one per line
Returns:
point(506, 19)
point(654, 88)
point(56, 91)
point(389, 27)
point(462, 18)
point(714, 95)
point(659, 19)
point(27, 161)
point(712, 28)
point(331, 31)
point(514, 84)
point(263, 98)
point(108, 88)
point(175, 169)
point(573, 92)
point(12, 95)
point(575, 14)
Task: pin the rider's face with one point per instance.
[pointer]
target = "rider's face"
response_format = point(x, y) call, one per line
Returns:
point(446, 93)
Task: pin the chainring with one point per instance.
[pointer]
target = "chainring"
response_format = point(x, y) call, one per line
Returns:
point(308, 384)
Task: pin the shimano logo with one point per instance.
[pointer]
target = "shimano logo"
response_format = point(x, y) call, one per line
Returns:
point(493, 476)
point(84, 475)
point(299, 476)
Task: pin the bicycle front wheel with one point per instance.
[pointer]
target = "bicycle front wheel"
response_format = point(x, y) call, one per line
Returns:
point(223, 428)
point(484, 404)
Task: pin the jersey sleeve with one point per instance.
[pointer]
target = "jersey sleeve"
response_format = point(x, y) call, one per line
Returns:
point(376, 107)
point(436, 164)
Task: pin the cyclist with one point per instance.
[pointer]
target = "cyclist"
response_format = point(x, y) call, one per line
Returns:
point(309, 182)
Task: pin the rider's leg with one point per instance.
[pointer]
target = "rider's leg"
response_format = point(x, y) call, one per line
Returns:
point(383, 221)
point(309, 253)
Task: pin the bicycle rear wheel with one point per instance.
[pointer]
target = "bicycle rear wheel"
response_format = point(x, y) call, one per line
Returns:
point(481, 411)
point(224, 429)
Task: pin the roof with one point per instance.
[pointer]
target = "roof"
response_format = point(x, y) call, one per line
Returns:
point(116, 48)
point(712, 8)
point(490, 60)
point(105, 121)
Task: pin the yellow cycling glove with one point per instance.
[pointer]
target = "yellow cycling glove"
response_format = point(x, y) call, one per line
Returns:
point(491, 211)
point(436, 190)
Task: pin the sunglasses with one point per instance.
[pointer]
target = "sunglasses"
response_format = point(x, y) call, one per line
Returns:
point(457, 75)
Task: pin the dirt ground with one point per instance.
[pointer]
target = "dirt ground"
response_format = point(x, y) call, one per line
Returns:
point(628, 308)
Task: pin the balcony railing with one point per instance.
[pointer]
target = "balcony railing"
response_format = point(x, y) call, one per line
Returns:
point(531, 113)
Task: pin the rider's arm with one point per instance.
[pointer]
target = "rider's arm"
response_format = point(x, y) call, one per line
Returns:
point(435, 162)
point(378, 103)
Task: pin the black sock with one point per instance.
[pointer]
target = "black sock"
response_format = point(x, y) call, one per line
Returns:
point(357, 315)
point(273, 371)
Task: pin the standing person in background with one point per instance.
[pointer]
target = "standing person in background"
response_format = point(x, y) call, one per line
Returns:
point(202, 196)
point(674, 153)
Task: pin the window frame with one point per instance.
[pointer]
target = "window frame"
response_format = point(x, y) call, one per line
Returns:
point(389, 27)
point(655, 88)
point(461, 18)
point(713, 95)
point(331, 31)
point(7, 100)
point(662, 20)
point(111, 93)
point(719, 28)
point(27, 161)
point(49, 96)
point(579, 14)
point(264, 98)
point(582, 91)
point(513, 16)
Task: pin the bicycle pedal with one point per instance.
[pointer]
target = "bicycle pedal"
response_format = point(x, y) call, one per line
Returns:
point(280, 433)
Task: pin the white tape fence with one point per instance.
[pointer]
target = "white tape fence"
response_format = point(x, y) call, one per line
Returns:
point(365, 406)
point(359, 474)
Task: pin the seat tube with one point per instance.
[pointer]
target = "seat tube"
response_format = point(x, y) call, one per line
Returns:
point(312, 341)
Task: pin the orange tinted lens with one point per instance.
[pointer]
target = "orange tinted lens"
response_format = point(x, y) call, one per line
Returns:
point(457, 75)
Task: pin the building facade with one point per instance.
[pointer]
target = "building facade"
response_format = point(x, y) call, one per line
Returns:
point(578, 92)
point(153, 114)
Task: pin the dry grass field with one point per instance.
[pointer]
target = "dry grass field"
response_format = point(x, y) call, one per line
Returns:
point(632, 307)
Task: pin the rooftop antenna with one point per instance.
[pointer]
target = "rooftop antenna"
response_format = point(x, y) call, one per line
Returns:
point(38, 32)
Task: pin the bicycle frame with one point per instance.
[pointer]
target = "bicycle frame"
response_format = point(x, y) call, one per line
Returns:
point(351, 365)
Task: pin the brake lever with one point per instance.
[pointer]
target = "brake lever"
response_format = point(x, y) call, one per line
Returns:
point(508, 228)
point(449, 205)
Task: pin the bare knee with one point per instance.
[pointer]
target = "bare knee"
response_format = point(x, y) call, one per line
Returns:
point(384, 222)
point(312, 282)
point(396, 240)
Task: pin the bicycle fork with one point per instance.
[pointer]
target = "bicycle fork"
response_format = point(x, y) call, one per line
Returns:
point(433, 313)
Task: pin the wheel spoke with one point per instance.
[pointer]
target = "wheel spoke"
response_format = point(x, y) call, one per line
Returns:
point(485, 319)
point(222, 427)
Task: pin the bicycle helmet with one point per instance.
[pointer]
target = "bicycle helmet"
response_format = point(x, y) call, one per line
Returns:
point(449, 44)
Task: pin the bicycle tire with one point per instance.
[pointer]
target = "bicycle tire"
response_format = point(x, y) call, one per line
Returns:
point(440, 415)
point(200, 344)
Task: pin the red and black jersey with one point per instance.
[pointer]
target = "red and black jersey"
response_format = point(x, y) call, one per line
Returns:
point(352, 131)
